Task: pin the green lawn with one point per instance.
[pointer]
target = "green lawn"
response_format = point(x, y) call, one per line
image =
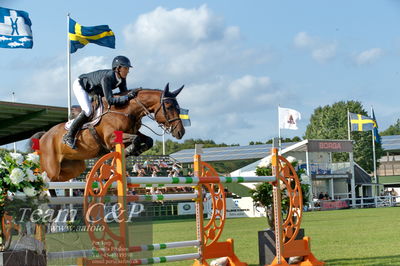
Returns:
point(343, 237)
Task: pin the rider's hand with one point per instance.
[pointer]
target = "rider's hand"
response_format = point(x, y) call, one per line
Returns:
point(131, 94)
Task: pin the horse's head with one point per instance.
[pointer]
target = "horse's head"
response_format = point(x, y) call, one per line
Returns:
point(168, 112)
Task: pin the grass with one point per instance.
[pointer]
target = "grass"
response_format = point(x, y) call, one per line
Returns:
point(342, 237)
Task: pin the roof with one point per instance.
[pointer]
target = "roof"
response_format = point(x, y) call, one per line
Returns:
point(20, 121)
point(227, 153)
point(391, 143)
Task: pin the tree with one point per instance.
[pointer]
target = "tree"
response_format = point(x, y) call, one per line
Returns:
point(392, 130)
point(263, 193)
point(330, 122)
point(284, 140)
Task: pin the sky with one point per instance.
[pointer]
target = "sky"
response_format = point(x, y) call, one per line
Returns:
point(238, 60)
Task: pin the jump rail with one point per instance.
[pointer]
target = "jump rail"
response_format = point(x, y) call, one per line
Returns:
point(110, 172)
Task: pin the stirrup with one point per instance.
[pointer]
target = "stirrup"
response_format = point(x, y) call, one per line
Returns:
point(69, 142)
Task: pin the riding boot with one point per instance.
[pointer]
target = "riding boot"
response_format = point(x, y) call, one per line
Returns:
point(69, 137)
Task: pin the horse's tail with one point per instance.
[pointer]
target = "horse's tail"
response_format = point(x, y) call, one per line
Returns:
point(37, 135)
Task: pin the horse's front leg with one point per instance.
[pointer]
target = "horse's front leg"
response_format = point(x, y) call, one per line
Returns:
point(138, 144)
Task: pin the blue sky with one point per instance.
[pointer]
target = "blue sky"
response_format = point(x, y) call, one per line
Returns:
point(237, 59)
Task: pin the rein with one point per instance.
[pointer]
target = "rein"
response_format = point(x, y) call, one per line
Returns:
point(150, 115)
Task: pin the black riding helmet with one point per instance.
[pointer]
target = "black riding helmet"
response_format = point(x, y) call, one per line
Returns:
point(121, 61)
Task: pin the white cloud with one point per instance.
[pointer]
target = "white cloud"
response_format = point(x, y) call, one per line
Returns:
point(303, 40)
point(324, 53)
point(320, 51)
point(368, 56)
point(186, 44)
point(50, 82)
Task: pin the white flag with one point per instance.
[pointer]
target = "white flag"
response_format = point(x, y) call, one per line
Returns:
point(288, 118)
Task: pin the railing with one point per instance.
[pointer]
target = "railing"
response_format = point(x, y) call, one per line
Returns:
point(379, 201)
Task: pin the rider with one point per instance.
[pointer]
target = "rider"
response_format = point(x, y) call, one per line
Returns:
point(102, 83)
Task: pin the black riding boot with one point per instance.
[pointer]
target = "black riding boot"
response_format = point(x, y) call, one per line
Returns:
point(69, 137)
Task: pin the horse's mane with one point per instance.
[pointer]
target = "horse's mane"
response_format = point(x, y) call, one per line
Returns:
point(137, 90)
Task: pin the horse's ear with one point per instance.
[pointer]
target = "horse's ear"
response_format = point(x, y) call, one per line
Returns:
point(175, 93)
point(166, 89)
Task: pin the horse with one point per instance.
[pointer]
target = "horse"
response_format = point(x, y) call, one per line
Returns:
point(61, 163)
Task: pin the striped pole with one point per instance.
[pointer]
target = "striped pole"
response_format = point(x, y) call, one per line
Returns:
point(179, 244)
point(198, 180)
point(130, 198)
point(91, 252)
point(163, 259)
point(166, 181)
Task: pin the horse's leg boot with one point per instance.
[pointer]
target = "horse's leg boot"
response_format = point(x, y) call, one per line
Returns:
point(69, 137)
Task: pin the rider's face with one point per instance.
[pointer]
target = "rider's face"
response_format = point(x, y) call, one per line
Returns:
point(123, 72)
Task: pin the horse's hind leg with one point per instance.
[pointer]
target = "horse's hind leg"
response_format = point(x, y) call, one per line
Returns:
point(71, 169)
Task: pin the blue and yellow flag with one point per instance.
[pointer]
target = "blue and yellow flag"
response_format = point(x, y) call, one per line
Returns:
point(377, 137)
point(361, 123)
point(184, 116)
point(80, 35)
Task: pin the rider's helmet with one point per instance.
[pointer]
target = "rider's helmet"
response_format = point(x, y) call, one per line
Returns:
point(121, 61)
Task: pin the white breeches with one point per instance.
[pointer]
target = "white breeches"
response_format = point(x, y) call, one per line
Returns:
point(83, 98)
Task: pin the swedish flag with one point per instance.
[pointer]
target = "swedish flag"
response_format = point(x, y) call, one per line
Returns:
point(377, 137)
point(184, 116)
point(80, 36)
point(361, 123)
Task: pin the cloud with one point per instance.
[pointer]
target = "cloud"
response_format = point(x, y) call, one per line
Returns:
point(324, 53)
point(186, 44)
point(369, 56)
point(320, 51)
point(50, 81)
point(303, 40)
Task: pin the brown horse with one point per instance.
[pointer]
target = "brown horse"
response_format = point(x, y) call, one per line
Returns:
point(62, 163)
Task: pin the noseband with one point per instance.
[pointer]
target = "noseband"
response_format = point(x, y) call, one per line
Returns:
point(168, 128)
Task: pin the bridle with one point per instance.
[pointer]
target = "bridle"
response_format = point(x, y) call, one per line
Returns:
point(168, 128)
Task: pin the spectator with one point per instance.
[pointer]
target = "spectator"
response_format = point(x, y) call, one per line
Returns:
point(176, 167)
point(141, 173)
point(154, 173)
point(326, 196)
point(321, 196)
point(136, 168)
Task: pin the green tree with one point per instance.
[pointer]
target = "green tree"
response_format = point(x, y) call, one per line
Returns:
point(284, 140)
point(263, 193)
point(392, 130)
point(330, 122)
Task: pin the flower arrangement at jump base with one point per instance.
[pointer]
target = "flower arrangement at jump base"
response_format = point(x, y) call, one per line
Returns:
point(21, 186)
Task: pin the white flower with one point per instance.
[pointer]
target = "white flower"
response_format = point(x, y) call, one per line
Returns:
point(45, 178)
point(34, 158)
point(30, 176)
point(291, 159)
point(265, 162)
point(17, 176)
point(17, 157)
point(2, 164)
point(29, 191)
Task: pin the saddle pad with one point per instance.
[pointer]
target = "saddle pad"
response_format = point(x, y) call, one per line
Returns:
point(97, 116)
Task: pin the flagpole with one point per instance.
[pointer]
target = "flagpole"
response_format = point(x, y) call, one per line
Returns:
point(279, 131)
point(348, 124)
point(68, 68)
point(163, 143)
point(373, 148)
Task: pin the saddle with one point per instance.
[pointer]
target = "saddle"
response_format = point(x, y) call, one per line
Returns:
point(94, 118)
